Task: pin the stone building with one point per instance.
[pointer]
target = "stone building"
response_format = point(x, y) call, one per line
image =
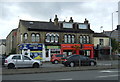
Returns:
point(2, 46)
point(52, 37)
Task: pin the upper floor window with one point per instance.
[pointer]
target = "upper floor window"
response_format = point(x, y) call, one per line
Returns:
point(56, 38)
point(67, 25)
point(81, 39)
point(37, 37)
point(88, 39)
point(65, 38)
point(84, 39)
point(101, 42)
point(25, 36)
point(83, 26)
point(33, 37)
point(73, 38)
point(52, 38)
point(69, 38)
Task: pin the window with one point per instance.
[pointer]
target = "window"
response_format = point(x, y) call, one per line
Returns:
point(101, 42)
point(69, 39)
point(26, 58)
point(82, 26)
point(65, 38)
point(67, 25)
point(16, 57)
point(59, 55)
point(56, 38)
point(84, 39)
point(73, 38)
point(81, 39)
point(37, 37)
point(33, 37)
point(88, 39)
point(52, 38)
point(25, 36)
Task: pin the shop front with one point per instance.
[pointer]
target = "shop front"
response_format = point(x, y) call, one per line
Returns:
point(50, 50)
point(33, 50)
point(80, 49)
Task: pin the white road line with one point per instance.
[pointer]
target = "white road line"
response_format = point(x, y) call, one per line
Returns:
point(108, 71)
point(107, 76)
point(66, 79)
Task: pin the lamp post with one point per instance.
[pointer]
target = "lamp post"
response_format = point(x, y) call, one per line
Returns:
point(110, 38)
point(112, 18)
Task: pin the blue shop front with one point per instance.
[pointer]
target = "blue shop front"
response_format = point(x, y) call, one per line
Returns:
point(33, 50)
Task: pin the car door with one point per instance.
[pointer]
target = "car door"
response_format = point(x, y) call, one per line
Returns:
point(84, 60)
point(27, 61)
point(17, 60)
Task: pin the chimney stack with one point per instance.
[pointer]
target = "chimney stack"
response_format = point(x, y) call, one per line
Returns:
point(50, 20)
point(86, 21)
point(71, 20)
point(56, 20)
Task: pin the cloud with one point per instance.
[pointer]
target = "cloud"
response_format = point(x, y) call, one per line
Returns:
point(98, 13)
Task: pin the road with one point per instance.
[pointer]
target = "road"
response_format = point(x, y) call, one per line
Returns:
point(111, 74)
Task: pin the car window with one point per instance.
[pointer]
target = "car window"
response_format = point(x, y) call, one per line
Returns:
point(83, 57)
point(26, 58)
point(16, 57)
point(59, 55)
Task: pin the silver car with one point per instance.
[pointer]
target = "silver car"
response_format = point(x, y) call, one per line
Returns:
point(19, 60)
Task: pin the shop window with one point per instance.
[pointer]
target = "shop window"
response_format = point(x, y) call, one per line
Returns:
point(33, 37)
point(47, 53)
point(37, 37)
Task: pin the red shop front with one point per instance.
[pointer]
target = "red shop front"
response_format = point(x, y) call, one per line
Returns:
point(80, 49)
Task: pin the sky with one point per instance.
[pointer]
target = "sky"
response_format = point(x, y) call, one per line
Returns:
point(98, 13)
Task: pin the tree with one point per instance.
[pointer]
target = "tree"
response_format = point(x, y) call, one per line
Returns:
point(115, 45)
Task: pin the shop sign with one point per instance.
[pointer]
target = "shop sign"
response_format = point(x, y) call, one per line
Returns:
point(53, 47)
point(31, 46)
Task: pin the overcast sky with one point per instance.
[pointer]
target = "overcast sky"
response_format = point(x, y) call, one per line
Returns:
point(98, 13)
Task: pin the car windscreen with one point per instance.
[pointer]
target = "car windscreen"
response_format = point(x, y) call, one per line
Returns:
point(59, 55)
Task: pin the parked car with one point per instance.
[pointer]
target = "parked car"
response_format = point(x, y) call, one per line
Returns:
point(19, 60)
point(55, 58)
point(78, 60)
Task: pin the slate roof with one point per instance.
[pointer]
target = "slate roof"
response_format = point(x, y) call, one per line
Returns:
point(49, 26)
point(100, 35)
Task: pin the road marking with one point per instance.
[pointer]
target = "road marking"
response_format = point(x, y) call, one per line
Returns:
point(107, 76)
point(108, 71)
point(66, 79)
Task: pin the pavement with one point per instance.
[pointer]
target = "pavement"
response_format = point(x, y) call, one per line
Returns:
point(56, 69)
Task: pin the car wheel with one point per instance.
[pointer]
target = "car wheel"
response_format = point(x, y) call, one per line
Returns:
point(92, 63)
point(56, 62)
point(36, 65)
point(72, 64)
point(11, 66)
